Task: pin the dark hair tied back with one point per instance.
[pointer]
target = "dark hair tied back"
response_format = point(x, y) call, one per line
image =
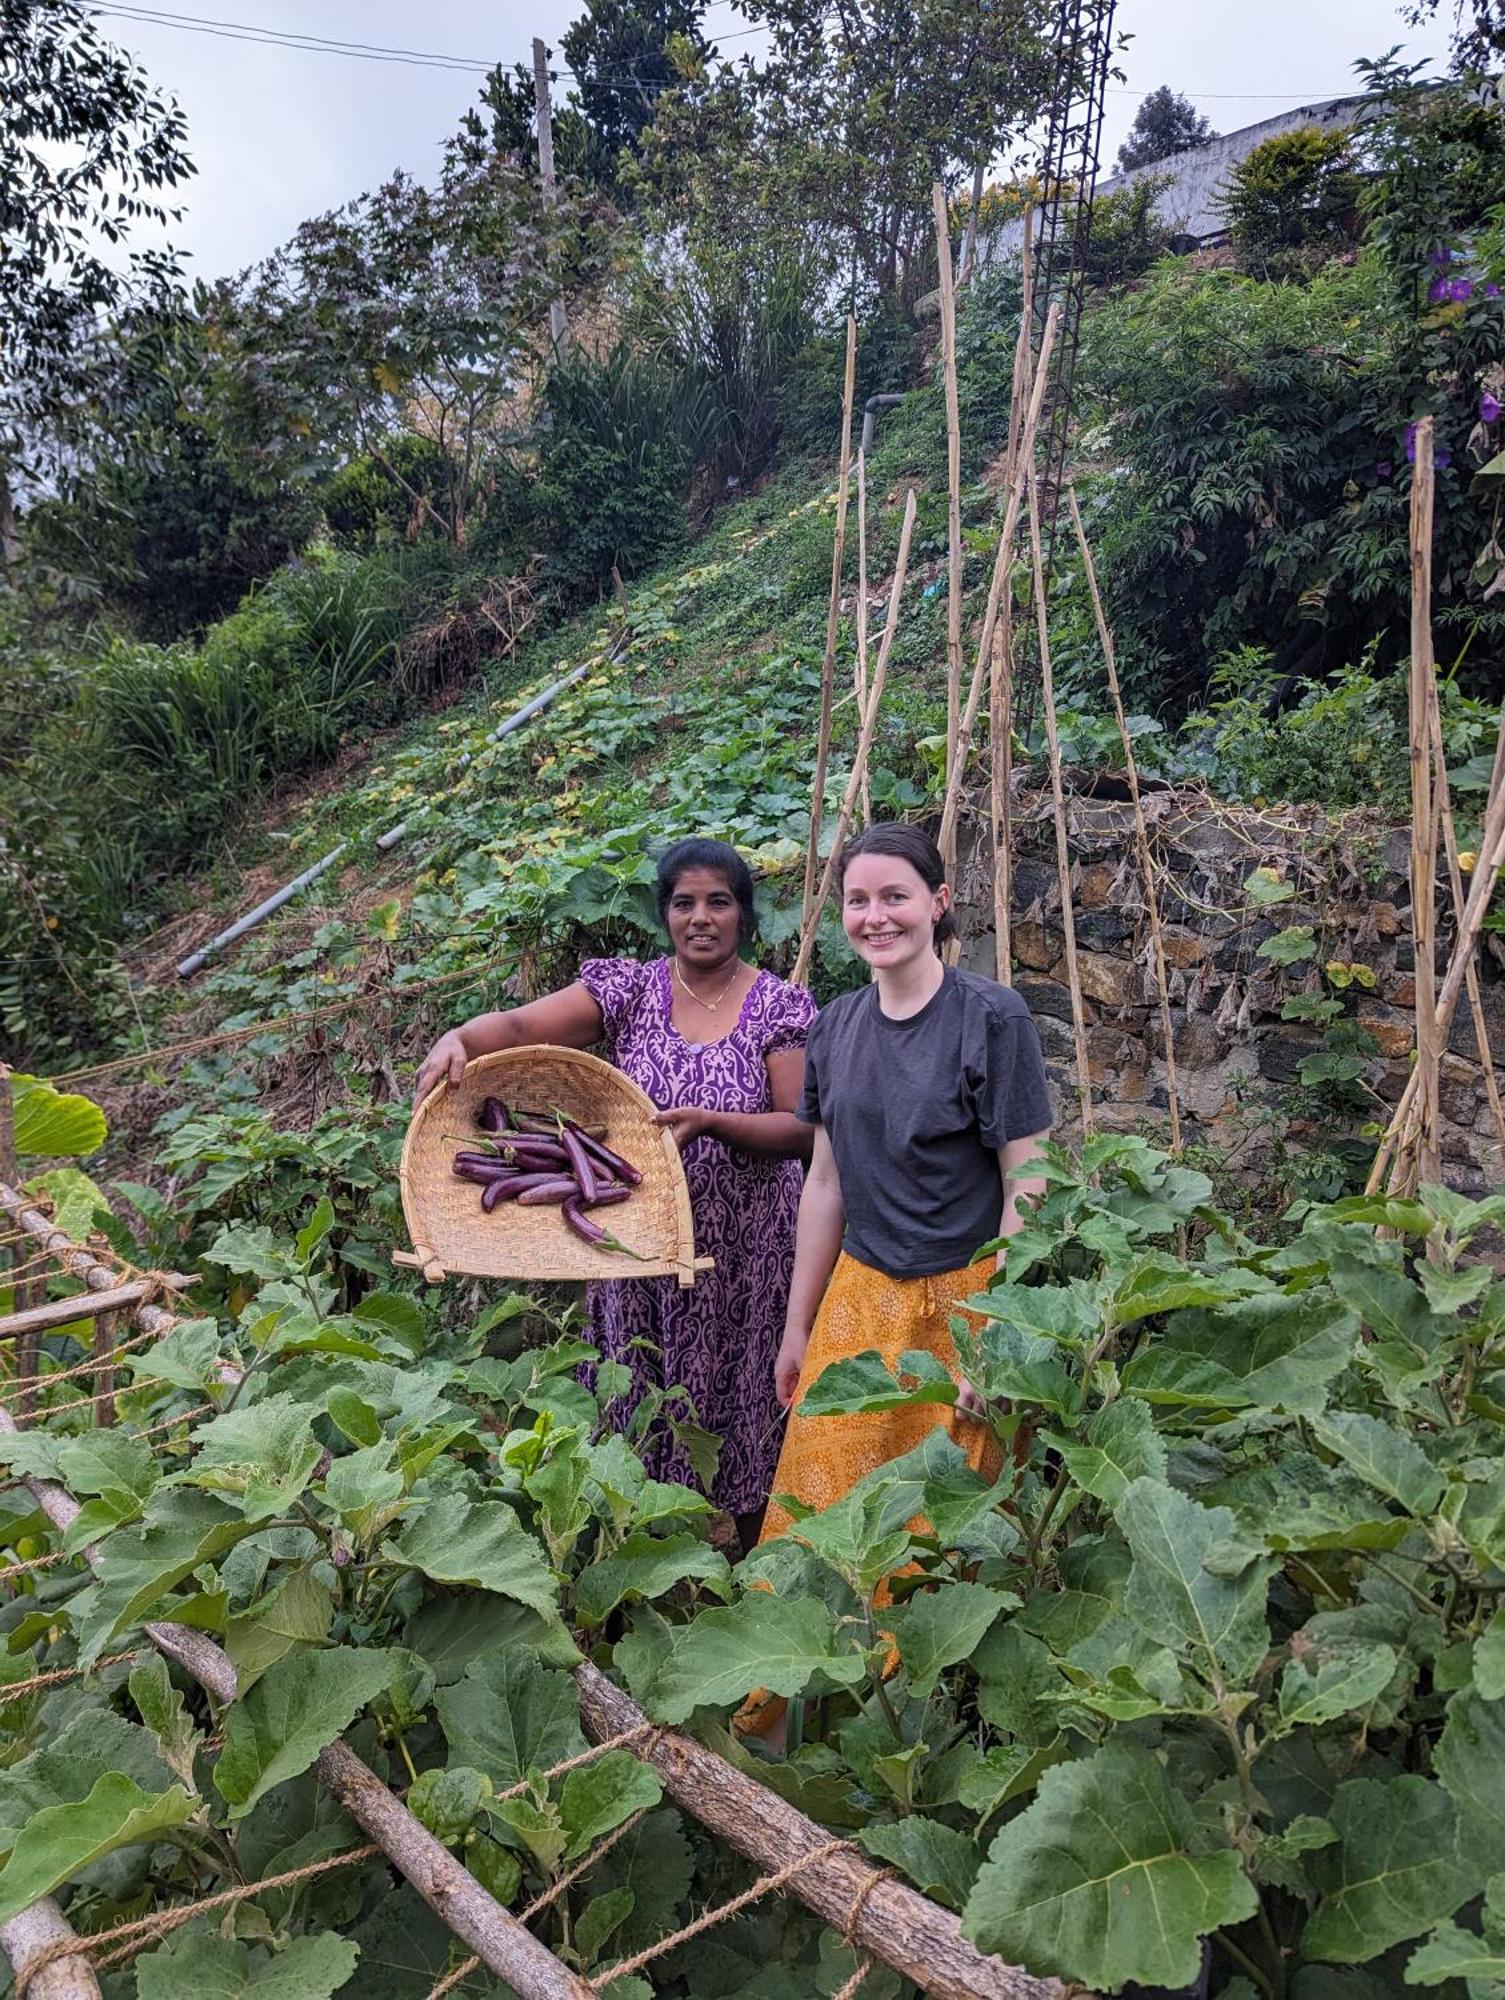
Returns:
point(903, 842)
point(720, 859)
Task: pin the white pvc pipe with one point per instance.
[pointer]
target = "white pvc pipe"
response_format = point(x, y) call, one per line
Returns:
point(260, 914)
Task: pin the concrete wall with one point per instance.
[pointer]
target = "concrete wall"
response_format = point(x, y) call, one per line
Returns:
point(1237, 1059)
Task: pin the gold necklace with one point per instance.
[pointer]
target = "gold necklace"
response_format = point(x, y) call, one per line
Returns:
point(709, 1005)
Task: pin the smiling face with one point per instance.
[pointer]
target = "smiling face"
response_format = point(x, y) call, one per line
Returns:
point(888, 912)
point(704, 919)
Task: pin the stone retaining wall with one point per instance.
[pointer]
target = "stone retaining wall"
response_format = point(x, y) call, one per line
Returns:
point(1239, 1063)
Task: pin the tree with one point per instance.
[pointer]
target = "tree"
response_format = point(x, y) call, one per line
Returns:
point(623, 55)
point(1165, 123)
point(1298, 190)
point(86, 148)
point(410, 310)
point(861, 109)
point(1478, 31)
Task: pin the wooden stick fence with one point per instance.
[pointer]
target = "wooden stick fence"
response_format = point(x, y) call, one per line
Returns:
point(864, 748)
point(1427, 1165)
point(953, 505)
point(833, 611)
point(1058, 810)
point(1141, 830)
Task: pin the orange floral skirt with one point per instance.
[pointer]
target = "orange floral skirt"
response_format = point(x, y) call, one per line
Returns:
point(823, 1458)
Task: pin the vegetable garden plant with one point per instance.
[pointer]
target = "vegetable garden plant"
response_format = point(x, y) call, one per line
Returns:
point(1219, 1659)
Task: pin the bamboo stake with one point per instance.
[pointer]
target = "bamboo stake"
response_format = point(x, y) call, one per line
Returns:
point(953, 508)
point(1423, 823)
point(1002, 569)
point(1491, 858)
point(864, 746)
point(1058, 805)
point(1001, 667)
point(40, 1930)
point(62, 1312)
point(828, 659)
point(105, 1413)
point(1455, 878)
point(869, 1908)
point(861, 679)
point(1141, 830)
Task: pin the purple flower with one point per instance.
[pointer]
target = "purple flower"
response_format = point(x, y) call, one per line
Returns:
point(1440, 255)
point(1460, 289)
point(1442, 458)
point(1438, 292)
point(1491, 291)
point(1384, 469)
point(1410, 444)
point(1489, 408)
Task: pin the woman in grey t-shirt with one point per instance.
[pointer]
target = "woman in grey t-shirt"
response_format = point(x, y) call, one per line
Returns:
point(927, 1091)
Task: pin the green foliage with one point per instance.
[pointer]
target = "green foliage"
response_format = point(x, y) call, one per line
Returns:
point(1165, 123)
point(1299, 190)
point(624, 437)
point(1128, 236)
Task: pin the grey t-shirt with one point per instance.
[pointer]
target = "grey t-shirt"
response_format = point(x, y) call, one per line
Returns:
point(916, 1112)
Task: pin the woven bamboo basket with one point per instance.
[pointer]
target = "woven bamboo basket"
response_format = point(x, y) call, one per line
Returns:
point(450, 1232)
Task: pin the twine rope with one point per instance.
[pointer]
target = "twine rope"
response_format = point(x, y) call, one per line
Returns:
point(36, 1562)
point(19, 1385)
point(849, 1988)
point(122, 1941)
point(17, 1689)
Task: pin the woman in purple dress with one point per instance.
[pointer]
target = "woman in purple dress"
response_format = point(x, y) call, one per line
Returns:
point(720, 1047)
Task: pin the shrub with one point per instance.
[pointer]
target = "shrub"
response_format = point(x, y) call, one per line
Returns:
point(1298, 190)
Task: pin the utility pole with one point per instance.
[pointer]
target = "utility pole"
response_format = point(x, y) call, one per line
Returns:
point(558, 329)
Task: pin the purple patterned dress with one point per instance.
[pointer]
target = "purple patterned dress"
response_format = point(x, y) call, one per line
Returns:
point(717, 1338)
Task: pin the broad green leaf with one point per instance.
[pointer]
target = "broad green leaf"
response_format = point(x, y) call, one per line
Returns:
point(601, 1916)
point(91, 1744)
point(862, 1383)
point(76, 1200)
point(600, 1795)
point(939, 1861)
point(52, 1124)
point(1005, 1772)
point(354, 1417)
point(1393, 1873)
point(1321, 1685)
point(185, 1357)
point(452, 1631)
point(1453, 1291)
point(1070, 1313)
point(1118, 1445)
point(296, 1708)
point(1489, 1659)
point(1161, 1284)
point(1470, 1761)
point(479, 1542)
point(647, 1566)
point(762, 1641)
point(139, 1566)
point(1391, 1306)
point(363, 1484)
point(1002, 1361)
point(194, 1965)
point(253, 1252)
point(161, 1708)
point(1018, 1684)
point(264, 1456)
point(510, 1715)
point(447, 1801)
point(937, 1628)
point(399, 1317)
point(1296, 1501)
point(108, 1461)
point(1175, 1598)
point(1100, 1880)
point(1269, 1352)
point(60, 1841)
point(298, 1611)
point(1383, 1457)
point(1451, 1953)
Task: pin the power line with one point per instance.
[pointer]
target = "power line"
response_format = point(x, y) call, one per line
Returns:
point(267, 37)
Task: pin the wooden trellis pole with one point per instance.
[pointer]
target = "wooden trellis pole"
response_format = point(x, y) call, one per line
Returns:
point(1001, 666)
point(1423, 807)
point(1058, 804)
point(861, 676)
point(864, 748)
point(953, 505)
point(1141, 830)
point(872, 1911)
point(833, 609)
point(1002, 571)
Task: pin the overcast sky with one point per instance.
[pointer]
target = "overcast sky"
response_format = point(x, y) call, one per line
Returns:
point(279, 134)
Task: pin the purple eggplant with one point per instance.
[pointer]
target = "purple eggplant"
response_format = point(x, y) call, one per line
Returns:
point(580, 1164)
point(494, 1192)
point(463, 1170)
point(493, 1116)
point(592, 1232)
point(549, 1193)
point(603, 1156)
